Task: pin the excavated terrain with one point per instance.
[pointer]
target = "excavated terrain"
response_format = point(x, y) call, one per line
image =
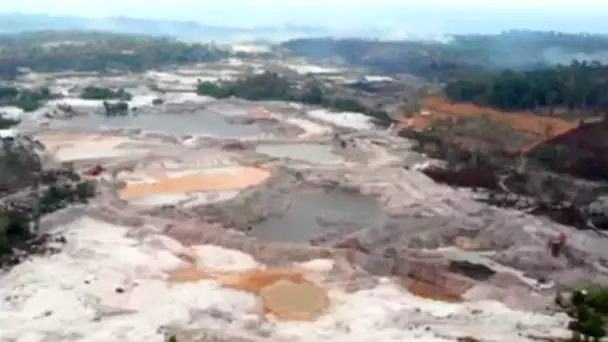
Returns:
point(298, 227)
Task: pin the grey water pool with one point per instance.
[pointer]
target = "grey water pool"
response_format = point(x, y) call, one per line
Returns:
point(304, 218)
point(308, 152)
point(205, 124)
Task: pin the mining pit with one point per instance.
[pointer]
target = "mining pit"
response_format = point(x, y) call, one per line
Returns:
point(181, 121)
point(256, 221)
point(310, 213)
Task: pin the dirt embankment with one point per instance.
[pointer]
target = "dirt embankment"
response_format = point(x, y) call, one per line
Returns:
point(582, 151)
point(524, 121)
point(534, 184)
point(535, 128)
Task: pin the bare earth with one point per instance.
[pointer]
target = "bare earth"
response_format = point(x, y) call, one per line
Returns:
point(168, 245)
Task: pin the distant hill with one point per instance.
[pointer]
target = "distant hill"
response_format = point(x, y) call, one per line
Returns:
point(99, 51)
point(455, 55)
point(186, 30)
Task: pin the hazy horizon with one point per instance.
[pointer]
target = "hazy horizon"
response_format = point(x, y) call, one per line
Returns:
point(430, 17)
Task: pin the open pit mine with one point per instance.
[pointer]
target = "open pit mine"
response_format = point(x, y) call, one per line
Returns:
point(230, 220)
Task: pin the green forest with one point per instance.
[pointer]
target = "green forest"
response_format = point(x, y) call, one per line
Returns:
point(94, 51)
point(272, 87)
point(458, 55)
point(26, 99)
point(579, 86)
point(103, 93)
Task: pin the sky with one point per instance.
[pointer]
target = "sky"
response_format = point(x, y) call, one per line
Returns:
point(425, 15)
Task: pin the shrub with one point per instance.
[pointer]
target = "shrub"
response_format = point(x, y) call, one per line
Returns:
point(103, 93)
point(116, 109)
point(590, 310)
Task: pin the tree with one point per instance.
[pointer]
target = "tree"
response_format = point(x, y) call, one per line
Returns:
point(116, 109)
point(579, 86)
point(590, 310)
point(272, 86)
point(103, 93)
point(97, 51)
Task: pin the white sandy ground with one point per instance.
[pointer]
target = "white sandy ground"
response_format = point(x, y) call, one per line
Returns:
point(349, 120)
point(187, 97)
point(75, 102)
point(142, 100)
point(250, 48)
point(72, 297)
point(304, 69)
point(310, 127)
point(185, 199)
point(370, 78)
point(136, 101)
point(10, 112)
point(189, 78)
point(162, 199)
point(134, 178)
point(206, 71)
point(82, 149)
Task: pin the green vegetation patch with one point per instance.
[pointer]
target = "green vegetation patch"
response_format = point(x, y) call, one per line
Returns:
point(53, 51)
point(26, 99)
point(103, 93)
point(120, 108)
point(581, 87)
point(457, 55)
point(272, 87)
point(590, 310)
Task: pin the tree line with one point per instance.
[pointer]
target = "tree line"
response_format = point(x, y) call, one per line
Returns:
point(271, 86)
point(52, 51)
point(457, 55)
point(32, 99)
point(104, 93)
point(26, 99)
point(578, 86)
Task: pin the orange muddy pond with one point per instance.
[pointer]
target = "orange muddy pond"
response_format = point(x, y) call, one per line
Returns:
point(217, 179)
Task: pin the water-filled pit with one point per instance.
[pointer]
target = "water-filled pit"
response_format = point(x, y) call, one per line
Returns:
point(220, 179)
point(79, 146)
point(204, 123)
point(308, 152)
point(313, 212)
